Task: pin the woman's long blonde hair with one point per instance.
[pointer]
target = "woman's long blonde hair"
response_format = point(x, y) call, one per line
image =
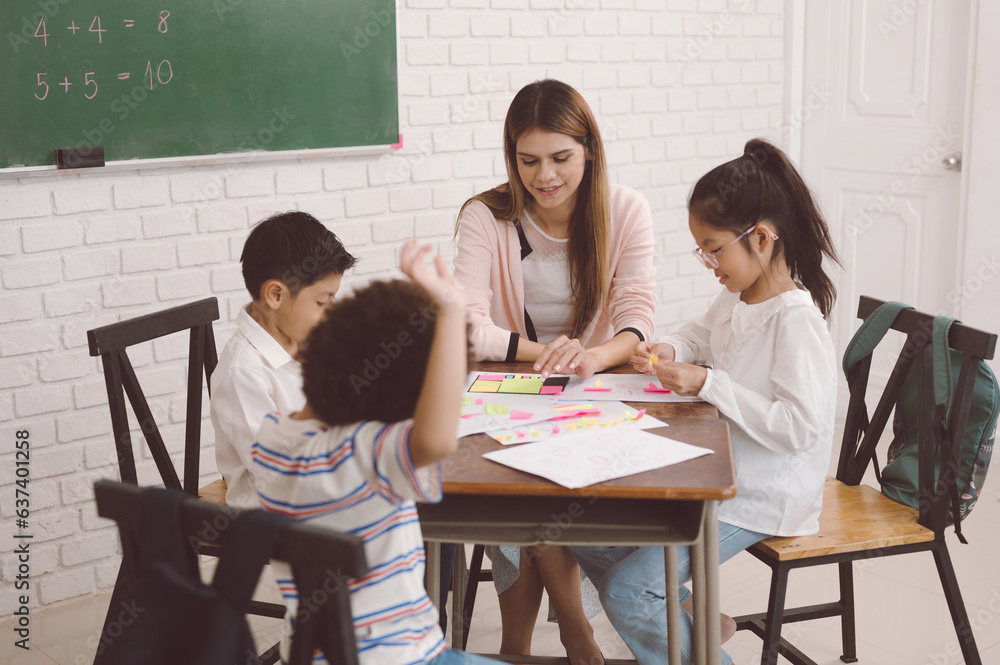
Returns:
point(553, 106)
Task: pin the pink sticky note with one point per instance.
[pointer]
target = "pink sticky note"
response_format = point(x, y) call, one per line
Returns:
point(468, 415)
point(519, 415)
point(653, 388)
point(555, 429)
point(550, 390)
point(520, 434)
point(479, 401)
point(492, 377)
point(597, 390)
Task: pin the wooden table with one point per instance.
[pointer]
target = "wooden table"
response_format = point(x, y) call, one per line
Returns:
point(486, 502)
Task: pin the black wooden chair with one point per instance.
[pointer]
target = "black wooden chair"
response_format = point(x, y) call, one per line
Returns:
point(111, 343)
point(467, 579)
point(312, 553)
point(859, 522)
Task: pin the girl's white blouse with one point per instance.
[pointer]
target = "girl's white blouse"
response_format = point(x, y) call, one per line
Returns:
point(773, 377)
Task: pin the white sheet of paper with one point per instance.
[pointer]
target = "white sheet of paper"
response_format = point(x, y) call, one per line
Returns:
point(624, 388)
point(588, 458)
point(610, 412)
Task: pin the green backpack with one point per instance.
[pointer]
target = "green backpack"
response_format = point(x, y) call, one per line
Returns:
point(970, 458)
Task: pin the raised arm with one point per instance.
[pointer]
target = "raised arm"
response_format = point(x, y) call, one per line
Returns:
point(435, 419)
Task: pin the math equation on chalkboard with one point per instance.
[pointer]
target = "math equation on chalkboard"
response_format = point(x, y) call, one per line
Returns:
point(102, 31)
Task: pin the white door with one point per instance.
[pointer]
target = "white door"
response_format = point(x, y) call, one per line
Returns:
point(893, 77)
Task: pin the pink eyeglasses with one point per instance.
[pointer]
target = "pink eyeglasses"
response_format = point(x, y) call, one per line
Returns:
point(711, 259)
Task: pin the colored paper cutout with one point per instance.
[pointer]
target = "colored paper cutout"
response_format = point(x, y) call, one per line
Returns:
point(497, 409)
point(520, 415)
point(519, 384)
point(653, 388)
point(638, 415)
point(479, 401)
point(522, 386)
point(653, 359)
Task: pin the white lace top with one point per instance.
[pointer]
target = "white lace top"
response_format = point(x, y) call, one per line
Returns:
point(547, 293)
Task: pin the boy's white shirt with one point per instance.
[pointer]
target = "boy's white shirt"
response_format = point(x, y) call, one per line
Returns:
point(255, 376)
point(773, 376)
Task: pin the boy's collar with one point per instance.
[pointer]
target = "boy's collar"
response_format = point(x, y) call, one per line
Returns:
point(272, 351)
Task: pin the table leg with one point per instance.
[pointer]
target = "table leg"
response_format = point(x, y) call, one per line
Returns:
point(710, 534)
point(698, 565)
point(434, 572)
point(459, 580)
point(673, 606)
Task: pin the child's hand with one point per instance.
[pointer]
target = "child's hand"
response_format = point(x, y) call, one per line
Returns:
point(682, 378)
point(442, 286)
point(641, 356)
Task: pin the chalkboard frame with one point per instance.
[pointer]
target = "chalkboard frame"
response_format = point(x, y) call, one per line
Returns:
point(382, 125)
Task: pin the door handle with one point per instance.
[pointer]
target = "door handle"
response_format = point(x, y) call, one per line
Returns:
point(953, 162)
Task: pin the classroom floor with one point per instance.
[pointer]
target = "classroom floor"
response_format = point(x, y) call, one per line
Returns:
point(902, 614)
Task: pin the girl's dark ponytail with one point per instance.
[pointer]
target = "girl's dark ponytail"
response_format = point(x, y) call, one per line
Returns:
point(763, 185)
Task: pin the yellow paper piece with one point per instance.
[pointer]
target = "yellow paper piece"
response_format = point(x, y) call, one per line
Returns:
point(497, 409)
point(485, 387)
point(653, 359)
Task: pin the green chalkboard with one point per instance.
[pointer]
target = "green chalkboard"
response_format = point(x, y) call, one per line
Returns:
point(167, 78)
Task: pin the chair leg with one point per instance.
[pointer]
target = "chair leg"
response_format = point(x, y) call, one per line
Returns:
point(475, 568)
point(848, 634)
point(112, 628)
point(775, 616)
point(955, 604)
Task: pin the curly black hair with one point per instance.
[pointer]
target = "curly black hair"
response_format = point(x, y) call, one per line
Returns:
point(367, 358)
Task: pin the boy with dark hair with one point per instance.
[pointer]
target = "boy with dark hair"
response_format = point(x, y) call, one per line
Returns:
point(292, 267)
point(356, 459)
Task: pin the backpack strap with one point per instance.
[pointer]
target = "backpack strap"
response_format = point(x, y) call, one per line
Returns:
point(944, 386)
point(861, 346)
point(871, 332)
point(247, 548)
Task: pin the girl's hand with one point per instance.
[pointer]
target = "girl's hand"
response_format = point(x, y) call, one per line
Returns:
point(640, 356)
point(682, 378)
point(443, 286)
point(566, 356)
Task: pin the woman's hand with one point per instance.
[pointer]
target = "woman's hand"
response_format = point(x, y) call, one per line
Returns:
point(682, 378)
point(640, 356)
point(566, 356)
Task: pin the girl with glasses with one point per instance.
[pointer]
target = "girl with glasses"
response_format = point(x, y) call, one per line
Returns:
point(763, 355)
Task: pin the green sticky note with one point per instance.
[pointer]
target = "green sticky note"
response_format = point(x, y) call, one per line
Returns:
point(497, 409)
point(522, 386)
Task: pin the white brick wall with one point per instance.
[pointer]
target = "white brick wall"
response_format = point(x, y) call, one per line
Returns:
point(677, 85)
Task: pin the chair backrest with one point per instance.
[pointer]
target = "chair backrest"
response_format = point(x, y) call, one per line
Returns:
point(322, 561)
point(861, 436)
point(111, 343)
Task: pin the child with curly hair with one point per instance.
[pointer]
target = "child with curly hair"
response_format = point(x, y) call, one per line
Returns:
point(383, 375)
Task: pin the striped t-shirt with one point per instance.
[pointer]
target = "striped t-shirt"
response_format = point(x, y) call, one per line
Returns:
point(358, 479)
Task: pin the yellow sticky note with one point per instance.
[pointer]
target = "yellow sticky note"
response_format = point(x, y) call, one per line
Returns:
point(653, 359)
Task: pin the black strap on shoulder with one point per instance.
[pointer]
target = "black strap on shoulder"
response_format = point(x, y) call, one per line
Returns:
point(525, 247)
point(246, 549)
point(525, 251)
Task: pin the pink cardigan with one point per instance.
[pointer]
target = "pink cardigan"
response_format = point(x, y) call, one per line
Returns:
point(488, 266)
